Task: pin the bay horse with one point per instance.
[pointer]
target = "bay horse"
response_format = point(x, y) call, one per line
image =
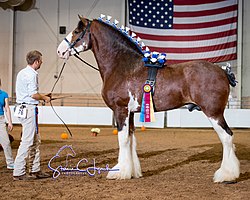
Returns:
point(197, 83)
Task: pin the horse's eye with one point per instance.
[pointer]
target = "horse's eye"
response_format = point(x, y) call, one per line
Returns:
point(76, 32)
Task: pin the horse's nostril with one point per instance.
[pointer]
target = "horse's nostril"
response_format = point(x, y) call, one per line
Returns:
point(63, 53)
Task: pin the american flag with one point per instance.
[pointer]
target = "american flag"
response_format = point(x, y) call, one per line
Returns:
point(187, 29)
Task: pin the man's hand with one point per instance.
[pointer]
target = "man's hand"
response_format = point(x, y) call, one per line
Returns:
point(48, 95)
point(10, 126)
point(47, 98)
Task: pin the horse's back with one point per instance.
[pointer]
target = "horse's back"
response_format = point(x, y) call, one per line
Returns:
point(202, 73)
point(199, 82)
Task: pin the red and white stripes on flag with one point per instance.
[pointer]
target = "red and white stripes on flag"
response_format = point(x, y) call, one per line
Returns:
point(189, 29)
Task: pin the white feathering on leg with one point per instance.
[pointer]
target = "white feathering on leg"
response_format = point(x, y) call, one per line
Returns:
point(230, 165)
point(125, 159)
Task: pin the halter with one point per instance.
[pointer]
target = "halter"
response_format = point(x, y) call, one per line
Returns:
point(72, 44)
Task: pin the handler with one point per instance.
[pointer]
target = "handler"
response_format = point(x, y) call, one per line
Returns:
point(27, 98)
point(4, 138)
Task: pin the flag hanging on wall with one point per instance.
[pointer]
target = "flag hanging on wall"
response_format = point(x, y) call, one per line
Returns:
point(187, 29)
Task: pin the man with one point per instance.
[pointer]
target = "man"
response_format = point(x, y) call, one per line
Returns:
point(4, 138)
point(27, 98)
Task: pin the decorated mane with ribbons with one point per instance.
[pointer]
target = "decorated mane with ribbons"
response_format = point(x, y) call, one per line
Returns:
point(152, 60)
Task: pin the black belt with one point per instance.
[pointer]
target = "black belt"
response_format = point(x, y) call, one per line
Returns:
point(27, 104)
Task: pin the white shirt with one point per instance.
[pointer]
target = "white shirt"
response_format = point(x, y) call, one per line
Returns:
point(26, 85)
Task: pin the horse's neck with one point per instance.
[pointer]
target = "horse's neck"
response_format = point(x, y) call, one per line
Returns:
point(112, 55)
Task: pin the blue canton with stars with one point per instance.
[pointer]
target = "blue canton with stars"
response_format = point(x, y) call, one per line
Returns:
point(151, 13)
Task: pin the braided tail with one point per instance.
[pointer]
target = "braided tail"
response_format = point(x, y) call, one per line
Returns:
point(230, 75)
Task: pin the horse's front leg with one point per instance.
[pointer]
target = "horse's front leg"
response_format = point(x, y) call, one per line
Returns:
point(128, 162)
point(136, 170)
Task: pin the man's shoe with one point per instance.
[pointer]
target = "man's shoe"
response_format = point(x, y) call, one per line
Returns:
point(24, 178)
point(40, 175)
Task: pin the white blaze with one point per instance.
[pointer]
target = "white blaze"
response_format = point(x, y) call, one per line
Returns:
point(63, 48)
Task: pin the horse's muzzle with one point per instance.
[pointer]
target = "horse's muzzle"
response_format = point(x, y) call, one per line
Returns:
point(63, 50)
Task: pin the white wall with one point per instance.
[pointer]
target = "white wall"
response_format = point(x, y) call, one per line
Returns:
point(236, 118)
point(72, 115)
point(179, 118)
point(85, 116)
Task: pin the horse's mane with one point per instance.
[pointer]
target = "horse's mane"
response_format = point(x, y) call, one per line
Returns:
point(114, 32)
point(119, 39)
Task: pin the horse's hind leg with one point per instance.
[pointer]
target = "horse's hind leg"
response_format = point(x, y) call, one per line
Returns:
point(230, 166)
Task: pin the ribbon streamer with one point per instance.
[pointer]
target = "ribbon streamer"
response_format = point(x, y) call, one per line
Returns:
point(147, 109)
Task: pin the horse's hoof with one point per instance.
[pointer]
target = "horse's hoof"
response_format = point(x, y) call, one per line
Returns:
point(113, 175)
point(225, 176)
point(117, 176)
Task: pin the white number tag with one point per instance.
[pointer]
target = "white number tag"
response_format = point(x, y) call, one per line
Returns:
point(20, 111)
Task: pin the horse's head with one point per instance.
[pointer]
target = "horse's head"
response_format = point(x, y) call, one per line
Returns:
point(76, 41)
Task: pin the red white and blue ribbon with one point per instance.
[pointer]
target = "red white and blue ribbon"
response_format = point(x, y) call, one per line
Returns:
point(147, 108)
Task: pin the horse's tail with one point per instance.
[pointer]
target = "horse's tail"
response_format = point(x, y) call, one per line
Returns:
point(230, 75)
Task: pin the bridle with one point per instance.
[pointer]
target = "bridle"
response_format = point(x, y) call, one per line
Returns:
point(72, 44)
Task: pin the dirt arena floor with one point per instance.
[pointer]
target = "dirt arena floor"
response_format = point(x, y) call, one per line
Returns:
point(176, 164)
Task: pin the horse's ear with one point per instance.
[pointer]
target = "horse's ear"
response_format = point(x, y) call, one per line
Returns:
point(84, 20)
point(80, 17)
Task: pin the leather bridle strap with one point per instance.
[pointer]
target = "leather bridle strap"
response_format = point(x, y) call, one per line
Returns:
point(72, 46)
point(95, 68)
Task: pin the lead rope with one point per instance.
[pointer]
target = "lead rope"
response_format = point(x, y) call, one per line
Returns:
point(58, 76)
point(51, 96)
point(58, 80)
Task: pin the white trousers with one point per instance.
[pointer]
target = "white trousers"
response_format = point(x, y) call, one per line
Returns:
point(29, 145)
point(5, 142)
